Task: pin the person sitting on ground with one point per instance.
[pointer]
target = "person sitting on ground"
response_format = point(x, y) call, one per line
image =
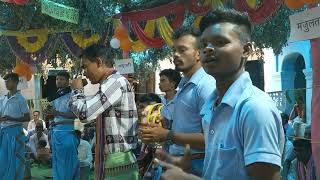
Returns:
point(298, 111)
point(43, 153)
point(32, 124)
point(306, 168)
point(35, 139)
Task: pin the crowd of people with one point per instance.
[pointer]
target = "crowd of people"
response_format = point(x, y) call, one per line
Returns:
point(212, 122)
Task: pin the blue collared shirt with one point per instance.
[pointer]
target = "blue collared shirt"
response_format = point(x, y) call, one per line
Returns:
point(167, 110)
point(61, 104)
point(15, 106)
point(188, 103)
point(243, 129)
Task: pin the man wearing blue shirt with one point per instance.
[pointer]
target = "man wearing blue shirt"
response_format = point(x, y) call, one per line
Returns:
point(65, 163)
point(13, 112)
point(169, 81)
point(193, 91)
point(244, 137)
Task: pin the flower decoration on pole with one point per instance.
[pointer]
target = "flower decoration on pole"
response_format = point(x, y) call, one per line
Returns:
point(126, 45)
point(121, 34)
point(115, 43)
point(23, 69)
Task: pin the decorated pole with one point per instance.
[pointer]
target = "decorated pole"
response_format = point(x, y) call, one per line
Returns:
point(315, 102)
point(299, 22)
point(37, 88)
point(315, 106)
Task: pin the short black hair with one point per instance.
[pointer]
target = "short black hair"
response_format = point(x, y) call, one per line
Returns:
point(39, 124)
point(12, 76)
point(233, 16)
point(64, 74)
point(36, 111)
point(98, 51)
point(183, 31)
point(149, 98)
point(78, 134)
point(172, 75)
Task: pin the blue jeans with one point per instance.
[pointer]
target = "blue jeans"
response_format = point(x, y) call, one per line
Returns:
point(196, 169)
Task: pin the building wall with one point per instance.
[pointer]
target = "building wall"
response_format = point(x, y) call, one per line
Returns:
point(164, 64)
point(280, 75)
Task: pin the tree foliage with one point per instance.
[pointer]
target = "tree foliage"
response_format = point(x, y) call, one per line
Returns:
point(274, 32)
point(7, 58)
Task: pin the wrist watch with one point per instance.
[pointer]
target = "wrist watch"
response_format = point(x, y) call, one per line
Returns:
point(170, 137)
point(78, 91)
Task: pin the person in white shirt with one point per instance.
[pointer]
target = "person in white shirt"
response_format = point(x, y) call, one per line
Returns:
point(34, 139)
point(84, 156)
point(32, 124)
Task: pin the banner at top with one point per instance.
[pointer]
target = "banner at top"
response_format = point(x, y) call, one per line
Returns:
point(305, 25)
point(60, 11)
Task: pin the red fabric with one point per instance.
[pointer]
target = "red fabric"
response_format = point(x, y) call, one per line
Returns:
point(315, 105)
point(176, 8)
point(21, 2)
point(171, 8)
point(178, 20)
point(149, 42)
point(198, 10)
point(262, 13)
point(18, 2)
point(149, 14)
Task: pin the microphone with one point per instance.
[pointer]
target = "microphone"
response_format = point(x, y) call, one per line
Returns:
point(79, 73)
point(84, 82)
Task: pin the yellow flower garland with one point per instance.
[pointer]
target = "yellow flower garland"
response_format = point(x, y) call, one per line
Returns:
point(33, 47)
point(85, 42)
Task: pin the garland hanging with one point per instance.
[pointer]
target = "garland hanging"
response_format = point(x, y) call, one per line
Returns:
point(84, 41)
point(149, 29)
point(152, 13)
point(165, 30)
point(77, 42)
point(34, 43)
point(148, 41)
point(30, 49)
point(262, 13)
